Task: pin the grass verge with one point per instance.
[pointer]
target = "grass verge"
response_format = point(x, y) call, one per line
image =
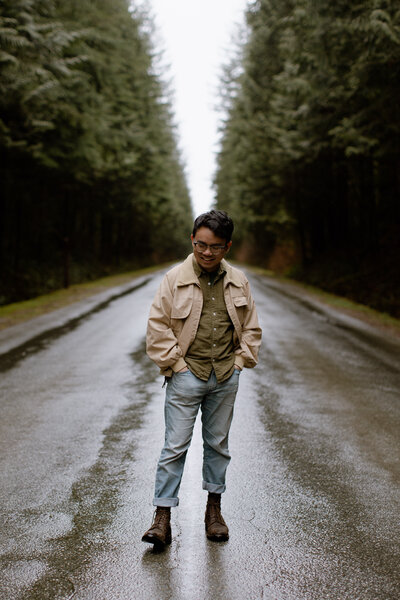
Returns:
point(353, 309)
point(18, 312)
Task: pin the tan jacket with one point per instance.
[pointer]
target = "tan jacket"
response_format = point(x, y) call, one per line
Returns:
point(175, 314)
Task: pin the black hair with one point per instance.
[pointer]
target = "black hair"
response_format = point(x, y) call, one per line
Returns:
point(218, 221)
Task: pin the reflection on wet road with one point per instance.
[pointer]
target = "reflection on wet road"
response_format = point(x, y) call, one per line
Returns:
point(313, 499)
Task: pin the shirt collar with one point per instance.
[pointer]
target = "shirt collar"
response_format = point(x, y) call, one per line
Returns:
point(199, 271)
point(188, 276)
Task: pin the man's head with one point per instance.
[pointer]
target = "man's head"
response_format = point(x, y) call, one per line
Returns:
point(218, 221)
point(211, 238)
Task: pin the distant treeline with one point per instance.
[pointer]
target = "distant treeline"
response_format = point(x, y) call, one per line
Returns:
point(91, 181)
point(310, 156)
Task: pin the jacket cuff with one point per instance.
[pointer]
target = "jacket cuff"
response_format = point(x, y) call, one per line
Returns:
point(239, 361)
point(180, 364)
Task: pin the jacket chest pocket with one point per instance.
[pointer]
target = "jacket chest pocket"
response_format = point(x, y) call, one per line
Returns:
point(182, 303)
point(240, 305)
point(239, 301)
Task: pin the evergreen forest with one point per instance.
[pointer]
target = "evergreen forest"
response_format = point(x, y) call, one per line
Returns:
point(91, 180)
point(309, 163)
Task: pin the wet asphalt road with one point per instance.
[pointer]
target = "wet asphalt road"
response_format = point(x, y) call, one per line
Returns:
point(313, 500)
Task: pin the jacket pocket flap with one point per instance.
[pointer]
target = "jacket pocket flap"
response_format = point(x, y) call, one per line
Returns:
point(239, 300)
point(181, 307)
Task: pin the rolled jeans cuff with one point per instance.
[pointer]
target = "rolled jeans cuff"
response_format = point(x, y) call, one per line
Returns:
point(214, 488)
point(166, 502)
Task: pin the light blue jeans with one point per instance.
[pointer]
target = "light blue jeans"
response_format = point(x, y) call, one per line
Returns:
point(185, 394)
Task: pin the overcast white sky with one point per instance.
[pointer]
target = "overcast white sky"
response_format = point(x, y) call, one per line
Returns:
point(197, 35)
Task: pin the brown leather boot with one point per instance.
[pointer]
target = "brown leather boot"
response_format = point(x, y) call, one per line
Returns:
point(159, 533)
point(216, 528)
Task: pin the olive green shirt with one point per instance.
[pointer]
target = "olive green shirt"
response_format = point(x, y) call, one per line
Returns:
point(213, 345)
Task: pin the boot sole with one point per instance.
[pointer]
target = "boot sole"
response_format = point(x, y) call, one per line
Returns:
point(150, 539)
point(218, 538)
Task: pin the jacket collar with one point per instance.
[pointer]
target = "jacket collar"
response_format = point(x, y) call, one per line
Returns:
point(187, 275)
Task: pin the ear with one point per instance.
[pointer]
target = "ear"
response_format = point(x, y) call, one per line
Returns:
point(192, 237)
point(229, 244)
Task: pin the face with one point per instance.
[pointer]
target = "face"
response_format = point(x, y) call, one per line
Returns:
point(206, 259)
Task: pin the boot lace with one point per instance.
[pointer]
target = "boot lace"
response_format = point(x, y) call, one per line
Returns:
point(214, 514)
point(161, 518)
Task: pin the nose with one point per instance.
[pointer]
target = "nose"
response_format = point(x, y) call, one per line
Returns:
point(207, 251)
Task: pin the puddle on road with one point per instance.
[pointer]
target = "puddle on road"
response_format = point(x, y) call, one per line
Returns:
point(95, 498)
point(10, 359)
point(325, 498)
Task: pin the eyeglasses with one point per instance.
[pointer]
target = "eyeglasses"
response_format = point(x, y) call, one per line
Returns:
point(215, 249)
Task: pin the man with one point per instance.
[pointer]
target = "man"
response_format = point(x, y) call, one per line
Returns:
point(202, 330)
